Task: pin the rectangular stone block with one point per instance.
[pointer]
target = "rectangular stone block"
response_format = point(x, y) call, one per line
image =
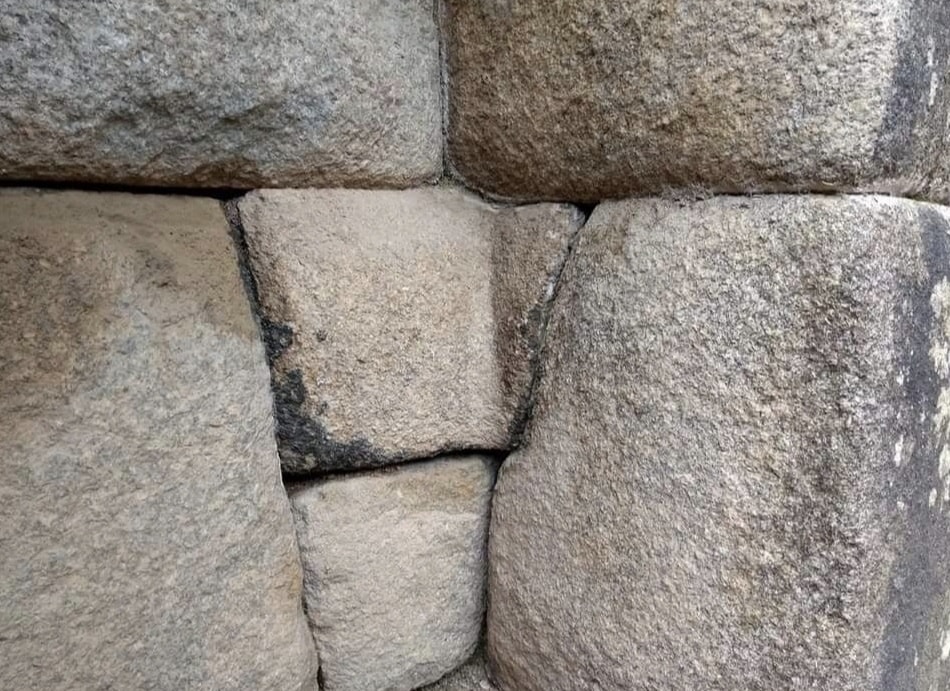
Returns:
point(400, 325)
point(248, 94)
point(737, 474)
point(394, 564)
point(585, 100)
point(146, 541)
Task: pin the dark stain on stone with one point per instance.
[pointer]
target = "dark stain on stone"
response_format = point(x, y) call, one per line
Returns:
point(531, 338)
point(239, 238)
point(821, 549)
point(909, 118)
point(304, 445)
point(303, 441)
point(277, 338)
point(920, 577)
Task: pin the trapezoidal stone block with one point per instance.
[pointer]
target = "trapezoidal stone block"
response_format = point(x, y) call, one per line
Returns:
point(145, 538)
point(218, 93)
point(737, 474)
point(400, 324)
point(585, 100)
point(394, 565)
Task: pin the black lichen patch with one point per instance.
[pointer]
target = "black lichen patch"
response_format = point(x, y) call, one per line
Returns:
point(910, 119)
point(277, 339)
point(920, 576)
point(304, 444)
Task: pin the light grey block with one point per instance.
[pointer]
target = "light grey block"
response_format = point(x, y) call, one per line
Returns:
point(220, 94)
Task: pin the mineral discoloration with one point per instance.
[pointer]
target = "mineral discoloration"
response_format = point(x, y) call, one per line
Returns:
point(399, 325)
point(916, 125)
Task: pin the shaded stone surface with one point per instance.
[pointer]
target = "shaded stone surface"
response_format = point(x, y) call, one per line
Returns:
point(251, 94)
point(472, 676)
point(586, 100)
point(145, 538)
point(737, 476)
point(394, 570)
point(400, 325)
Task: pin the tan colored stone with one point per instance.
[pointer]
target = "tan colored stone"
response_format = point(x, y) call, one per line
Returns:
point(394, 564)
point(589, 99)
point(400, 325)
point(145, 538)
point(736, 476)
point(472, 676)
point(220, 94)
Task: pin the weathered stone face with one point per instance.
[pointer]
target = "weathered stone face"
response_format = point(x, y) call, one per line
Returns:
point(400, 325)
point(220, 94)
point(145, 538)
point(472, 676)
point(735, 477)
point(586, 99)
point(394, 564)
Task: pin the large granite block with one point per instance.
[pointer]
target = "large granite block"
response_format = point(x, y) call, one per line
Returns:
point(146, 541)
point(587, 100)
point(738, 474)
point(220, 94)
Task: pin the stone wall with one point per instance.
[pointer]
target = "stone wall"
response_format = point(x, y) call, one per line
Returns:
point(529, 345)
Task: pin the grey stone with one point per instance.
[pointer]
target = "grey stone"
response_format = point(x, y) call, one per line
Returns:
point(588, 99)
point(472, 676)
point(145, 539)
point(220, 93)
point(738, 472)
point(400, 325)
point(394, 570)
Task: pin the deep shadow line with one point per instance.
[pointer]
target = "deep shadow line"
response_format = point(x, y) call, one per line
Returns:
point(497, 456)
point(219, 193)
point(239, 238)
point(521, 427)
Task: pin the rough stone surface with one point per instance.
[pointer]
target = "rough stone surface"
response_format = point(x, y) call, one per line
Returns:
point(587, 99)
point(737, 476)
point(472, 676)
point(145, 539)
point(400, 325)
point(394, 570)
point(220, 93)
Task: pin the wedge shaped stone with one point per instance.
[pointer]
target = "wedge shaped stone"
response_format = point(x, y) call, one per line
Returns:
point(587, 100)
point(737, 475)
point(394, 564)
point(145, 538)
point(217, 93)
point(400, 325)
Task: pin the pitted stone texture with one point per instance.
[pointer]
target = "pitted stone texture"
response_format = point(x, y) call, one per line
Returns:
point(394, 570)
point(400, 325)
point(472, 676)
point(251, 94)
point(735, 477)
point(589, 99)
point(145, 539)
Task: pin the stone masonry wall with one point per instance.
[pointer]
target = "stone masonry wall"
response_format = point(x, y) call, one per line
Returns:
point(475, 345)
